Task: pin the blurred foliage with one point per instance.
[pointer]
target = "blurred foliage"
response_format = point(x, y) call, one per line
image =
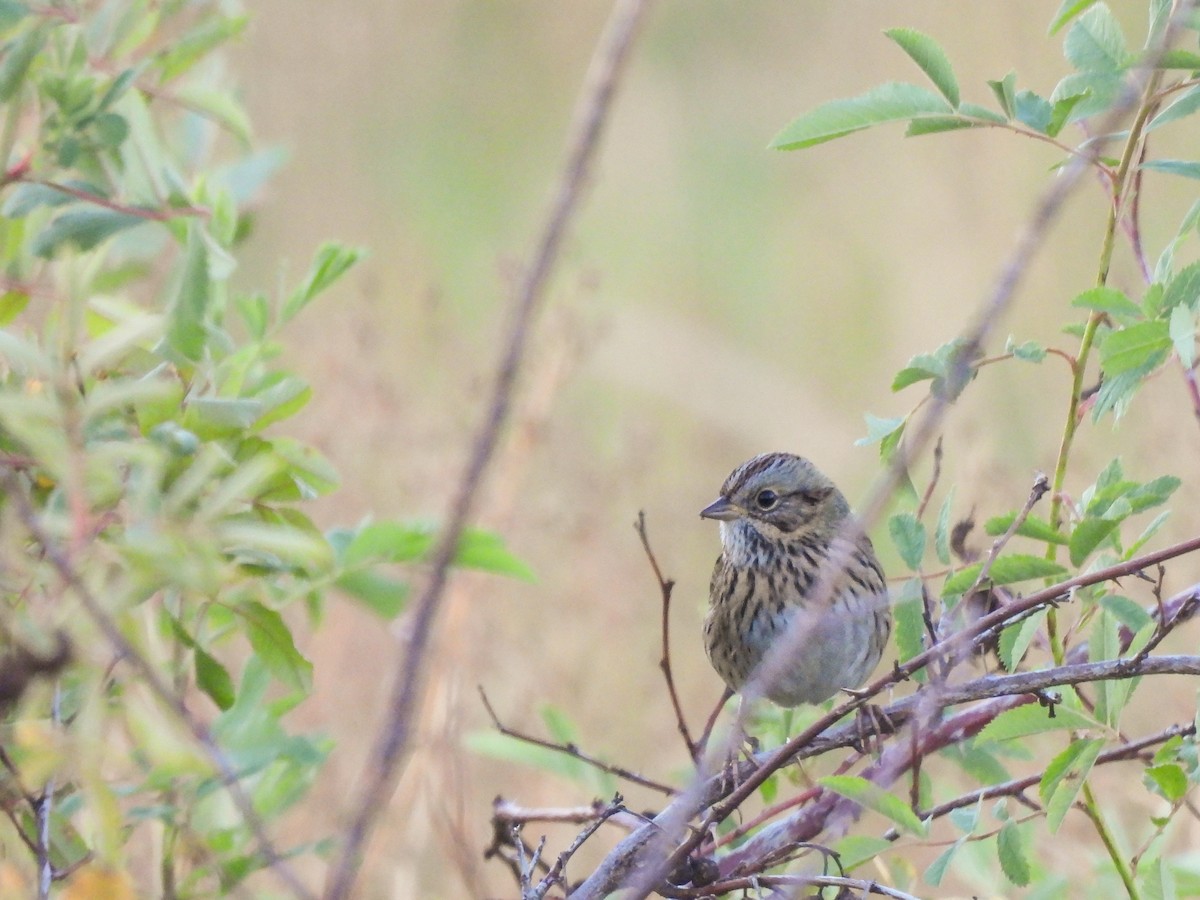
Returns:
point(155, 538)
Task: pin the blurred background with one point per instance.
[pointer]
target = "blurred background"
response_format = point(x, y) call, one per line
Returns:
point(716, 299)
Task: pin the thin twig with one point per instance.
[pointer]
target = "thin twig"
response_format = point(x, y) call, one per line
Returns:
point(665, 586)
point(934, 477)
point(393, 741)
point(557, 873)
point(574, 752)
point(124, 649)
point(1041, 484)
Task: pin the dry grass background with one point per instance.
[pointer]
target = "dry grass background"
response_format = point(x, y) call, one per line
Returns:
point(717, 299)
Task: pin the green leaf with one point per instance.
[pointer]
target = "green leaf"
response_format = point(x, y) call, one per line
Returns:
point(1184, 167)
point(1005, 92)
point(941, 534)
point(1135, 346)
point(1034, 111)
point(981, 113)
point(891, 102)
point(17, 59)
point(1065, 776)
point(1168, 780)
point(1033, 719)
point(1061, 110)
point(937, 869)
point(908, 534)
point(1067, 11)
point(1109, 300)
point(185, 52)
point(484, 550)
point(186, 327)
point(1117, 392)
point(932, 59)
point(1095, 42)
point(871, 796)
point(1179, 59)
point(1125, 611)
point(220, 106)
point(1087, 535)
point(384, 596)
point(1029, 351)
point(273, 644)
point(1183, 289)
point(909, 610)
point(1005, 570)
point(1016, 638)
point(331, 263)
point(83, 227)
point(938, 125)
point(1184, 105)
point(12, 304)
point(1032, 527)
point(878, 429)
point(1012, 854)
point(213, 678)
point(1181, 328)
point(855, 849)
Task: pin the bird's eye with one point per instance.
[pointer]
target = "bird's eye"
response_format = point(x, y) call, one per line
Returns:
point(766, 500)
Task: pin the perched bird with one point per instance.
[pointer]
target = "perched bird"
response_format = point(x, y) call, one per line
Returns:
point(779, 517)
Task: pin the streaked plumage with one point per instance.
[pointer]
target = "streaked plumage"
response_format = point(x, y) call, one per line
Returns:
point(778, 517)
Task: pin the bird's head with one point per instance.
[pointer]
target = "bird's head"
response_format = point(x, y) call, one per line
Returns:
point(779, 495)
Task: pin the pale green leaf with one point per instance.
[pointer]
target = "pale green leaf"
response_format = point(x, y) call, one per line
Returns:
point(1033, 718)
point(1005, 92)
point(932, 59)
point(331, 263)
point(891, 102)
point(1184, 167)
point(273, 644)
point(1183, 105)
point(1064, 777)
point(1182, 328)
point(1095, 42)
point(213, 679)
point(879, 428)
point(1031, 527)
point(1109, 300)
point(908, 534)
point(1011, 851)
point(186, 326)
point(1015, 639)
point(941, 534)
point(871, 796)
point(1135, 346)
point(1087, 535)
point(1167, 779)
point(82, 227)
point(1068, 10)
point(1005, 570)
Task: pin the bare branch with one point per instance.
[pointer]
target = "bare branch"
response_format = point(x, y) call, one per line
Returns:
point(574, 752)
point(393, 741)
point(665, 586)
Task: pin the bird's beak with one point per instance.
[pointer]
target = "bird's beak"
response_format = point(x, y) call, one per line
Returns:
point(722, 510)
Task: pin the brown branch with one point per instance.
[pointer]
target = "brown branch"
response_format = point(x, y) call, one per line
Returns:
point(665, 586)
point(124, 649)
point(574, 752)
point(393, 741)
point(630, 855)
point(557, 873)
